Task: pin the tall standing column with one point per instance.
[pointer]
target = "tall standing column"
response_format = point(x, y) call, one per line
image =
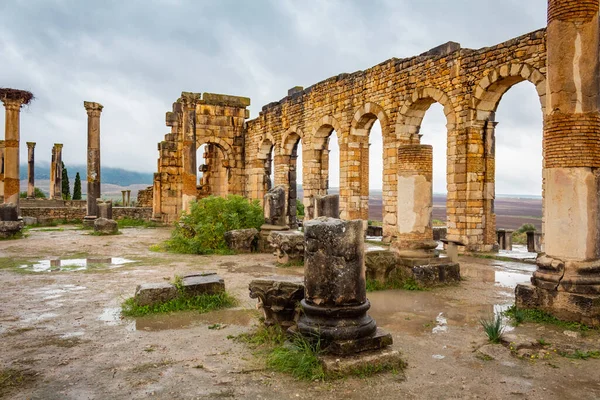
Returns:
point(2, 170)
point(567, 281)
point(13, 101)
point(30, 170)
point(93, 158)
point(58, 170)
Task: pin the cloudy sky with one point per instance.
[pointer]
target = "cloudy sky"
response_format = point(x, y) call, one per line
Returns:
point(136, 57)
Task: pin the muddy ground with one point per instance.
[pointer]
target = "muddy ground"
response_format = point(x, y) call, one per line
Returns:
point(63, 329)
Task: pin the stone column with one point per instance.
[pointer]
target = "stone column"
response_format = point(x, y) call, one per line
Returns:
point(52, 189)
point(415, 202)
point(30, 170)
point(58, 171)
point(129, 198)
point(123, 195)
point(2, 170)
point(93, 159)
point(11, 152)
point(567, 281)
point(335, 303)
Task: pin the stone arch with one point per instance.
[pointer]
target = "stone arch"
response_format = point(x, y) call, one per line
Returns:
point(413, 110)
point(322, 129)
point(495, 84)
point(365, 117)
point(287, 172)
point(225, 148)
point(266, 144)
point(217, 169)
point(289, 139)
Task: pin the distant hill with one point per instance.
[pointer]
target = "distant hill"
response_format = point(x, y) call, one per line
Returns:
point(114, 176)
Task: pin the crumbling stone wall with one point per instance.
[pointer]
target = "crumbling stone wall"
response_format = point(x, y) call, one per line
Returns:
point(144, 197)
point(468, 83)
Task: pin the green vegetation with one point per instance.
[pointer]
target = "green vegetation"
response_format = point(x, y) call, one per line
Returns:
point(11, 379)
point(583, 355)
point(299, 358)
point(263, 336)
point(37, 193)
point(299, 208)
point(375, 223)
point(520, 235)
point(519, 315)
point(202, 230)
point(393, 282)
point(293, 263)
point(66, 188)
point(493, 328)
point(77, 187)
point(437, 222)
point(135, 223)
point(202, 303)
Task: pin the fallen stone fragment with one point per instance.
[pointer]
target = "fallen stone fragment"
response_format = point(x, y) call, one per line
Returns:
point(278, 296)
point(241, 240)
point(192, 285)
point(106, 226)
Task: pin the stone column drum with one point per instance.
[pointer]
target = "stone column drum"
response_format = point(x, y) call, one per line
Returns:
point(93, 159)
point(30, 170)
point(415, 202)
point(567, 281)
point(335, 304)
point(58, 172)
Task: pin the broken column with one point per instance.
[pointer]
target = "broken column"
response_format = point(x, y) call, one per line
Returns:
point(534, 242)
point(10, 225)
point(335, 304)
point(56, 172)
point(93, 159)
point(327, 206)
point(30, 170)
point(104, 208)
point(275, 216)
point(415, 202)
point(128, 198)
point(567, 280)
point(504, 239)
point(13, 100)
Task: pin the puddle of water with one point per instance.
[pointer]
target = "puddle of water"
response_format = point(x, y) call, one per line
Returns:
point(438, 357)
point(189, 319)
point(40, 317)
point(75, 264)
point(111, 316)
point(510, 279)
point(442, 324)
point(518, 251)
point(69, 335)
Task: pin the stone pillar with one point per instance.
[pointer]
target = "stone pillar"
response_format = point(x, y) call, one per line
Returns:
point(11, 153)
point(567, 281)
point(129, 198)
point(327, 206)
point(2, 170)
point(93, 158)
point(415, 202)
point(57, 171)
point(52, 188)
point(30, 170)
point(104, 208)
point(123, 195)
point(335, 303)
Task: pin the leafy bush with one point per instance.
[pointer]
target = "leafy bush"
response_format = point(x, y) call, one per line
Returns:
point(299, 208)
point(37, 193)
point(526, 228)
point(520, 235)
point(202, 230)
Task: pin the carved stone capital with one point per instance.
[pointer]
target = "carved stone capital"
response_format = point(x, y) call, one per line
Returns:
point(30, 145)
point(93, 109)
point(12, 104)
point(278, 297)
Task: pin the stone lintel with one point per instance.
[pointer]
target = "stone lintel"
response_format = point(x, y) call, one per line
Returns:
point(225, 100)
point(334, 366)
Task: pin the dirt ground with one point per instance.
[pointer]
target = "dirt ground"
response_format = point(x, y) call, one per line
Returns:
point(63, 329)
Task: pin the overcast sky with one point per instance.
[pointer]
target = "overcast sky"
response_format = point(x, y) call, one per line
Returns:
point(136, 57)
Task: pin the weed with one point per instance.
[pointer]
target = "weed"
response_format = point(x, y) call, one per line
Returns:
point(158, 248)
point(539, 316)
point(493, 328)
point(583, 355)
point(202, 303)
point(216, 327)
point(263, 336)
point(150, 366)
point(393, 282)
point(12, 378)
point(293, 263)
point(298, 358)
point(543, 342)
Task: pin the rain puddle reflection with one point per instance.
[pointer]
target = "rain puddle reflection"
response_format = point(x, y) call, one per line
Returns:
point(76, 264)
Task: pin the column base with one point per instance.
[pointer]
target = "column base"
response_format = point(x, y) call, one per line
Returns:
point(582, 308)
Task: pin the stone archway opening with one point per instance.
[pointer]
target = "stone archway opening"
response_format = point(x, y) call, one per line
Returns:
point(331, 164)
point(513, 191)
point(212, 176)
point(290, 174)
point(266, 164)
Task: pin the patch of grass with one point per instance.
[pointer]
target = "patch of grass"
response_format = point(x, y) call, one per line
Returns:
point(438, 222)
point(18, 235)
point(12, 378)
point(543, 342)
point(13, 264)
point(136, 223)
point(375, 223)
point(63, 342)
point(96, 233)
point(299, 357)
point(203, 303)
point(145, 367)
point(393, 282)
point(158, 248)
point(583, 355)
point(541, 317)
point(50, 230)
point(493, 328)
point(263, 336)
point(293, 263)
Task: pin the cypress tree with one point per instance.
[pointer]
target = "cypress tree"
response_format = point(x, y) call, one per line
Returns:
point(77, 188)
point(66, 190)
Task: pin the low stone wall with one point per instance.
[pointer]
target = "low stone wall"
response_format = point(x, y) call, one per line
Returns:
point(46, 203)
point(144, 197)
point(47, 214)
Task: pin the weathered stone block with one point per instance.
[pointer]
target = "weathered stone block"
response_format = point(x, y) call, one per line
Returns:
point(8, 212)
point(274, 206)
point(154, 293)
point(10, 228)
point(335, 366)
point(106, 226)
point(203, 283)
point(242, 240)
point(288, 245)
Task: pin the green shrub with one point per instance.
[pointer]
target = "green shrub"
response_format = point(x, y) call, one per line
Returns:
point(37, 193)
point(493, 328)
point(202, 230)
point(299, 208)
point(526, 228)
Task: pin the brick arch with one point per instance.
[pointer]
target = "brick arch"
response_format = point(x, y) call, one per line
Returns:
point(289, 140)
point(495, 84)
point(365, 117)
point(225, 148)
point(413, 110)
point(322, 129)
